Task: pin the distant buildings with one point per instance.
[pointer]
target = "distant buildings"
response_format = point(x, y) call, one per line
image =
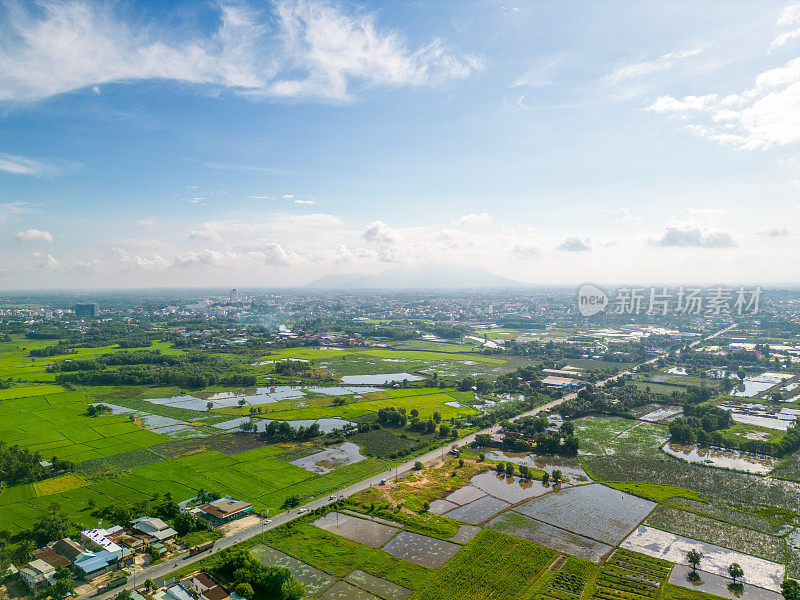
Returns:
point(233, 296)
point(568, 383)
point(88, 310)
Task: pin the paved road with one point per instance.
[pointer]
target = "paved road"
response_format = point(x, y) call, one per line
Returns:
point(163, 569)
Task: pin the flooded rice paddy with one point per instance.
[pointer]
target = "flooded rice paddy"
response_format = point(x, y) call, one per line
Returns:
point(381, 378)
point(478, 511)
point(364, 531)
point(594, 511)
point(382, 587)
point(511, 489)
point(570, 468)
point(314, 579)
point(465, 533)
point(421, 549)
point(527, 528)
point(330, 459)
point(718, 585)
point(341, 590)
point(772, 417)
point(671, 547)
point(726, 459)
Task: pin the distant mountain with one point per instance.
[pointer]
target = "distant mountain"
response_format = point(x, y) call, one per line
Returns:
point(419, 277)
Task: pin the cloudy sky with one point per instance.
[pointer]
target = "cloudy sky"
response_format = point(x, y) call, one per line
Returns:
point(270, 143)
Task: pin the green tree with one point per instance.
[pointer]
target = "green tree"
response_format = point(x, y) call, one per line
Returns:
point(292, 590)
point(693, 557)
point(245, 590)
point(149, 585)
point(735, 571)
point(124, 595)
point(557, 475)
point(790, 589)
point(546, 477)
point(509, 468)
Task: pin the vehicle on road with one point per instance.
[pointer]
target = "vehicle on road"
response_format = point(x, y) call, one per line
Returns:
point(302, 510)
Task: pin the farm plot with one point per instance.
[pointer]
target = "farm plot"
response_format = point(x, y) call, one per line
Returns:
point(465, 495)
point(717, 483)
point(643, 439)
point(382, 587)
point(594, 511)
point(465, 534)
point(57, 424)
point(710, 530)
point(421, 549)
point(339, 556)
point(570, 468)
point(341, 590)
point(671, 547)
point(478, 511)
point(493, 565)
point(439, 507)
point(314, 579)
point(595, 432)
point(510, 489)
point(367, 532)
point(717, 585)
point(530, 529)
point(630, 575)
point(567, 583)
point(331, 458)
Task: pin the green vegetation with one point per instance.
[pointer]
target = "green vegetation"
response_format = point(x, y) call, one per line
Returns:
point(491, 565)
point(630, 576)
point(339, 556)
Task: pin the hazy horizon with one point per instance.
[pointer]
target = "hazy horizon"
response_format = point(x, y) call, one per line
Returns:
point(247, 144)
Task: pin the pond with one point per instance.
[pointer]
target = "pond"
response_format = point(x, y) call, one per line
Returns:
point(330, 459)
point(727, 459)
point(661, 414)
point(760, 414)
point(259, 395)
point(570, 468)
point(751, 385)
point(325, 425)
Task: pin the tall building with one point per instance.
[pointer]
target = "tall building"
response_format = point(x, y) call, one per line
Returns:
point(234, 295)
point(86, 310)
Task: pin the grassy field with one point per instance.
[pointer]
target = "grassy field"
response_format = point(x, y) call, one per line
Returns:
point(338, 556)
point(595, 432)
point(631, 576)
point(493, 565)
point(56, 424)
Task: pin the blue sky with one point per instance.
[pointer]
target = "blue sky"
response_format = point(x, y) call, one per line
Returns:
point(179, 143)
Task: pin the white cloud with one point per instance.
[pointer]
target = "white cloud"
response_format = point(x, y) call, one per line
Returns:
point(691, 236)
point(622, 214)
point(790, 16)
point(306, 202)
point(538, 74)
point(287, 196)
point(773, 232)
point(10, 210)
point(305, 49)
point(21, 165)
point(527, 251)
point(640, 68)
point(378, 231)
point(148, 224)
point(575, 243)
point(275, 255)
point(33, 236)
point(760, 117)
point(483, 218)
point(48, 262)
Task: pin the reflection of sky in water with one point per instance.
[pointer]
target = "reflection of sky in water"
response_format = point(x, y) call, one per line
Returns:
point(262, 395)
point(380, 378)
point(729, 459)
point(325, 425)
point(762, 415)
point(331, 458)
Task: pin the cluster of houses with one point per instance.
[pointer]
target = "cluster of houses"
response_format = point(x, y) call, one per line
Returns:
point(98, 552)
point(102, 550)
point(198, 586)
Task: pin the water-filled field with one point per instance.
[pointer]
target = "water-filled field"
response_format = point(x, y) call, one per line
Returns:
point(364, 531)
point(421, 549)
point(593, 510)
